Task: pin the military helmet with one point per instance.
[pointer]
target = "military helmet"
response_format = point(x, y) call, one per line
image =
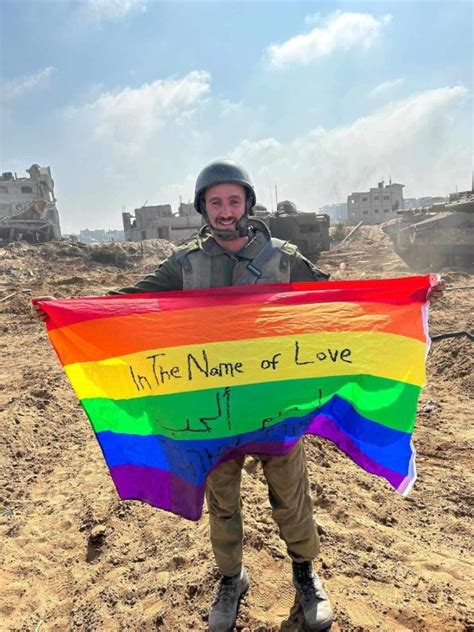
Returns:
point(222, 172)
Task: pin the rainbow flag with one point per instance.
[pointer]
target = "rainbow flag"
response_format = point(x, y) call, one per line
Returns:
point(175, 383)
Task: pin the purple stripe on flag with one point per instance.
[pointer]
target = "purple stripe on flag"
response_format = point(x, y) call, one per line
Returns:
point(171, 493)
point(159, 489)
point(326, 427)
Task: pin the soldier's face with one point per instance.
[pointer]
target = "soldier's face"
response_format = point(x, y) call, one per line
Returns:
point(225, 205)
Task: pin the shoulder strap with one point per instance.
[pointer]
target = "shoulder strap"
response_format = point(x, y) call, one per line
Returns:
point(182, 255)
point(254, 269)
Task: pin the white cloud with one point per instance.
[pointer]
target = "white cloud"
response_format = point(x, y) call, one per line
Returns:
point(265, 149)
point(312, 19)
point(149, 143)
point(125, 122)
point(22, 85)
point(416, 141)
point(138, 143)
point(183, 190)
point(386, 86)
point(98, 11)
point(230, 108)
point(341, 31)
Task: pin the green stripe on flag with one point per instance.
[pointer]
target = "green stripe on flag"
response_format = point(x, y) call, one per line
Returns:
point(213, 413)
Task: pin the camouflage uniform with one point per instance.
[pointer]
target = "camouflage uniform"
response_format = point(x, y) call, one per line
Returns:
point(203, 263)
point(225, 267)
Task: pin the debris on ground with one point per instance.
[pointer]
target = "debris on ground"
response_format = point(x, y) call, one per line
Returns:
point(76, 557)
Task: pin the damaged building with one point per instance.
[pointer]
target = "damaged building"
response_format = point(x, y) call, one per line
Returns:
point(376, 206)
point(28, 207)
point(159, 222)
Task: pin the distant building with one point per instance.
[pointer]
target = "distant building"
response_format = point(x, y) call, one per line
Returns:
point(186, 209)
point(423, 201)
point(337, 212)
point(100, 235)
point(28, 206)
point(158, 222)
point(377, 205)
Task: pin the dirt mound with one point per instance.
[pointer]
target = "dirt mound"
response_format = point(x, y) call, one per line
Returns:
point(77, 558)
point(65, 269)
point(452, 360)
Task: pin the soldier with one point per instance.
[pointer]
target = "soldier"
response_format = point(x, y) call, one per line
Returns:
point(234, 248)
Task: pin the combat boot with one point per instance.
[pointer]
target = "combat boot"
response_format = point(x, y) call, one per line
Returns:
point(226, 604)
point(318, 614)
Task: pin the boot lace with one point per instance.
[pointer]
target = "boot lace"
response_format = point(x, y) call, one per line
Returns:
point(307, 584)
point(227, 589)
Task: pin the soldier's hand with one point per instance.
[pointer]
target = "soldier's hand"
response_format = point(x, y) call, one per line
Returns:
point(36, 312)
point(436, 292)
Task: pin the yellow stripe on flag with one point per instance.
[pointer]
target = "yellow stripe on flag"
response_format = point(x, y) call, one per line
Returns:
point(234, 363)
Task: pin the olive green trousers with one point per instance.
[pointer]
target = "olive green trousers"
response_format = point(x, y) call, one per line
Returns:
point(292, 508)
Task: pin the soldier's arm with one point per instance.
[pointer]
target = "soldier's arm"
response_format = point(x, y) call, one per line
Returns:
point(303, 270)
point(167, 277)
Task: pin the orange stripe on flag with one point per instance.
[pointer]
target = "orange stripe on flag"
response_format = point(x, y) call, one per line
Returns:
point(92, 340)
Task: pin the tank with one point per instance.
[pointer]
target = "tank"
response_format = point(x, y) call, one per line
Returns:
point(308, 231)
point(432, 237)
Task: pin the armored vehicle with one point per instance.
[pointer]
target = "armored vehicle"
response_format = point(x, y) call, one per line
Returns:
point(431, 237)
point(308, 231)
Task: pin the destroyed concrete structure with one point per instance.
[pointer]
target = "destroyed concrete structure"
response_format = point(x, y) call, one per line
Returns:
point(377, 205)
point(28, 207)
point(159, 222)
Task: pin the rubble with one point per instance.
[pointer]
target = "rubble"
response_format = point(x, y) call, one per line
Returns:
point(58, 490)
point(28, 207)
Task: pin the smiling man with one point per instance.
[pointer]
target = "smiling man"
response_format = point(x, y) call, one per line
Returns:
point(234, 248)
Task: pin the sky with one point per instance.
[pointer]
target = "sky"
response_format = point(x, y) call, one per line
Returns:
point(127, 100)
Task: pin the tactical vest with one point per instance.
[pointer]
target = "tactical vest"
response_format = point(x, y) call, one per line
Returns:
point(270, 265)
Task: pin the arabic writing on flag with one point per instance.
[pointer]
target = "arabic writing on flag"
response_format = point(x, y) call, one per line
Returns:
point(175, 383)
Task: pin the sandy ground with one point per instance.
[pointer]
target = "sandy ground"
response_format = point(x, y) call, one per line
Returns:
point(75, 557)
